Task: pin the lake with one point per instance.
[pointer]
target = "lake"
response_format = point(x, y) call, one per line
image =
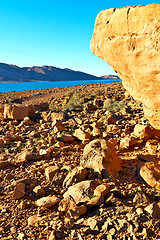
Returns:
point(10, 87)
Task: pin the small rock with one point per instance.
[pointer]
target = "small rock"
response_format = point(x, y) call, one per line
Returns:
point(50, 117)
point(66, 138)
point(50, 172)
point(92, 223)
point(58, 179)
point(28, 155)
point(95, 201)
point(102, 190)
point(47, 201)
point(21, 236)
point(68, 223)
point(66, 204)
point(76, 211)
point(154, 210)
point(150, 172)
point(19, 191)
point(33, 219)
point(81, 191)
point(139, 211)
point(143, 132)
point(4, 164)
point(81, 135)
point(39, 191)
point(78, 174)
point(52, 236)
point(140, 198)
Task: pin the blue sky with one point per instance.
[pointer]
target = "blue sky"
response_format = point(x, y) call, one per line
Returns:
point(51, 32)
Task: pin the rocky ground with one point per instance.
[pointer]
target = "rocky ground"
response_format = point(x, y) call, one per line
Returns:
point(80, 163)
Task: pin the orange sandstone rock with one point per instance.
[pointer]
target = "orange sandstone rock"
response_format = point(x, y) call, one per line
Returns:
point(128, 39)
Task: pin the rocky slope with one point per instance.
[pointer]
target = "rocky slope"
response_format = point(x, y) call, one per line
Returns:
point(128, 39)
point(12, 73)
point(81, 163)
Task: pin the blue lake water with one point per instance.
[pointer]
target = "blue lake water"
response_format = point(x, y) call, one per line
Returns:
point(10, 87)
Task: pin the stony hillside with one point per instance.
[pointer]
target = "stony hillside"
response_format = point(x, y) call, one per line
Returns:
point(79, 163)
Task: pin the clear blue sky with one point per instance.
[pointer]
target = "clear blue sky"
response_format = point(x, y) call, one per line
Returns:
point(51, 32)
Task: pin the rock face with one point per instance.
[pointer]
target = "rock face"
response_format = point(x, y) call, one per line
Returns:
point(128, 39)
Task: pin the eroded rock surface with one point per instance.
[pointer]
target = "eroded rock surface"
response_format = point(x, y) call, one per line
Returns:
point(128, 39)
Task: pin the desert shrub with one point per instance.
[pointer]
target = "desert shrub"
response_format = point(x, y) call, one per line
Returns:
point(10, 100)
point(76, 100)
point(114, 106)
point(52, 107)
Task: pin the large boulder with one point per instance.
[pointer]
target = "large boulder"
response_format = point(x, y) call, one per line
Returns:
point(18, 112)
point(100, 155)
point(128, 39)
point(150, 172)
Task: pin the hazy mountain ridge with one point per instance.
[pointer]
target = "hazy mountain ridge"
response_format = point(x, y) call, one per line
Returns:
point(14, 73)
point(110, 77)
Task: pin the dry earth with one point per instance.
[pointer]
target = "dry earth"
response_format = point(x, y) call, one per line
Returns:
point(84, 166)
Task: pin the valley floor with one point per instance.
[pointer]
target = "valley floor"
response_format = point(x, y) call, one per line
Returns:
point(44, 156)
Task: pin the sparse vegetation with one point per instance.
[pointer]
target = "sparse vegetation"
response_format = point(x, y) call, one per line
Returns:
point(114, 106)
point(10, 100)
point(76, 100)
point(52, 107)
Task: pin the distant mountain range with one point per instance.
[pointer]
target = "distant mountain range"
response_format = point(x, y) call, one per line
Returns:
point(13, 73)
point(110, 77)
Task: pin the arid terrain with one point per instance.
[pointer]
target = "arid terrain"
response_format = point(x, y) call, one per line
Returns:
point(78, 163)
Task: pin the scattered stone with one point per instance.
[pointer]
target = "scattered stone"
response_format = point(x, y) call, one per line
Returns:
point(50, 172)
point(154, 210)
point(95, 201)
point(76, 175)
point(82, 135)
point(47, 201)
point(76, 211)
point(4, 164)
point(93, 224)
point(53, 116)
point(33, 220)
point(28, 155)
point(19, 191)
point(128, 142)
point(150, 172)
point(140, 198)
point(102, 190)
point(68, 223)
point(39, 191)
point(81, 192)
point(66, 204)
point(66, 138)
